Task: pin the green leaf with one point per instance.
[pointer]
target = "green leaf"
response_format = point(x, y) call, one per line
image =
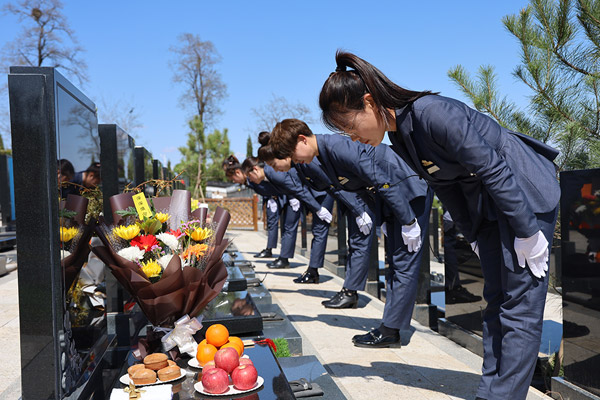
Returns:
point(64, 213)
point(127, 212)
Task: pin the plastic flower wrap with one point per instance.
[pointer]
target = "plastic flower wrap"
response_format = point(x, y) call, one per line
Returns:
point(172, 263)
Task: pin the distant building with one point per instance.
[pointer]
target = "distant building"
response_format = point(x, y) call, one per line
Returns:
point(219, 190)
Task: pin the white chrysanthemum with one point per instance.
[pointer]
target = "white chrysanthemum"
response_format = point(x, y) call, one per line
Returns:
point(132, 253)
point(164, 260)
point(169, 240)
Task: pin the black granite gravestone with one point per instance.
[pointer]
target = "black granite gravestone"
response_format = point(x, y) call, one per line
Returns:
point(51, 120)
point(116, 158)
point(580, 245)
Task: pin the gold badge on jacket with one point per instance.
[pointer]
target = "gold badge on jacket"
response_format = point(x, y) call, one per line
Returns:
point(430, 166)
point(343, 180)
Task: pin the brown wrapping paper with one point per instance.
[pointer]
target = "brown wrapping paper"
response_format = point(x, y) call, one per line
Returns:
point(180, 291)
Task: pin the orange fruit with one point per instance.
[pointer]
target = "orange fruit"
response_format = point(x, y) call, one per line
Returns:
point(238, 341)
point(217, 335)
point(206, 352)
point(235, 346)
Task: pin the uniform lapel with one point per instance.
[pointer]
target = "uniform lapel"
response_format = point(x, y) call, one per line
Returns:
point(403, 143)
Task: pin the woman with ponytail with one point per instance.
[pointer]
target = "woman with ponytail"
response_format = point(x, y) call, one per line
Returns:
point(271, 198)
point(499, 186)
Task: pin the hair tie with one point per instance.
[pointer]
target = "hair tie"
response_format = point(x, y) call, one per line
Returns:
point(340, 68)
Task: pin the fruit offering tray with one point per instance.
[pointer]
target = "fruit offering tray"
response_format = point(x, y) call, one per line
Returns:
point(274, 383)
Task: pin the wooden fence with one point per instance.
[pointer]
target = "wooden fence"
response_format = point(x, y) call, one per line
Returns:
point(243, 210)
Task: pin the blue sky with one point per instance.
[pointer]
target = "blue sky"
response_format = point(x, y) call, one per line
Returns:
point(279, 48)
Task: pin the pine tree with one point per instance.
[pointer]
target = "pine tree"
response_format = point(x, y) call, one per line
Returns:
point(194, 157)
point(249, 149)
point(560, 53)
point(217, 149)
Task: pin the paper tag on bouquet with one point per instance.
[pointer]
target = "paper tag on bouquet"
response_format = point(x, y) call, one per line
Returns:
point(141, 205)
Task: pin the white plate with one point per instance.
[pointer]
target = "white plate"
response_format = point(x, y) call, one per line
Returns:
point(125, 380)
point(193, 362)
point(259, 381)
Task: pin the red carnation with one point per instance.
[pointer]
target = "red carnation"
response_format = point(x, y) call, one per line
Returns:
point(145, 242)
point(176, 233)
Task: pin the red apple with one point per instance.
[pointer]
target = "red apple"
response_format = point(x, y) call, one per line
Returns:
point(227, 359)
point(215, 381)
point(246, 361)
point(244, 377)
point(209, 365)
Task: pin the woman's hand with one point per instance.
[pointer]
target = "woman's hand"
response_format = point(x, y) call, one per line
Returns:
point(534, 251)
point(411, 234)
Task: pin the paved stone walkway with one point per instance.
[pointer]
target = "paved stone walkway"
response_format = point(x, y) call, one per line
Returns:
point(426, 366)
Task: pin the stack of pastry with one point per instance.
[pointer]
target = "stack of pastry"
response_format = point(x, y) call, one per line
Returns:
point(156, 363)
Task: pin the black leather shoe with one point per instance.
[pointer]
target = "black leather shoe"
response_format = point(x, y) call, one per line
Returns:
point(342, 299)
point(279, 263)
point(266, 253)
point(307, 277)
point(375, 338)
point(460, 295)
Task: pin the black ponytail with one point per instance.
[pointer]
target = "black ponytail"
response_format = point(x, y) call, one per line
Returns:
point(345, 88)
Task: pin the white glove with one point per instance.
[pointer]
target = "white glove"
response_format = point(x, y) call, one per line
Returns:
point(411, 234)
point(324, 214)
point(272, 204)
point(384, 229)
point(364, 223)
point(534, 250)
point(295, 203)
point(475, 248)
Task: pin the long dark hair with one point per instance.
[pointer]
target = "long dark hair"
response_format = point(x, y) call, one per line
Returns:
point(230, 165)
point(265, 152)
point(343, 91)
point(251, 162)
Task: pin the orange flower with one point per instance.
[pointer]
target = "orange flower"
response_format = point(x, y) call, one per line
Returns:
point(197, 250)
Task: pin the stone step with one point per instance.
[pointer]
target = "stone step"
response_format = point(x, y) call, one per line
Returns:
point(309, 368)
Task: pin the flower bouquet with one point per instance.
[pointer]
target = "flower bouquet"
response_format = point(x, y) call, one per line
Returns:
point(166, 257)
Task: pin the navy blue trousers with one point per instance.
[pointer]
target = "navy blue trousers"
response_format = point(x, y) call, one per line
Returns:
point(512, 322)
point(272, 226)
point(320, 230)
point(404, 266)
point(359, 249)
point(290, 230)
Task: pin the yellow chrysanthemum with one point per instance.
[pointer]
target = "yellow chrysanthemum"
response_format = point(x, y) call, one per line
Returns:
point(126, 232)
point(200, 234)
point(197, 250)
point(195, 204)
point(162, 217)
point(151, 268)
point(67, 234)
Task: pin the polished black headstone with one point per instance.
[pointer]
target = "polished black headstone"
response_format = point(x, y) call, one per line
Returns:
point(62, 348)
point(116, 158)
point(235, 310)
point(580, 280)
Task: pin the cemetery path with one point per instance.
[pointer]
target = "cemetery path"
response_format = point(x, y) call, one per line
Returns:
point(426, 366)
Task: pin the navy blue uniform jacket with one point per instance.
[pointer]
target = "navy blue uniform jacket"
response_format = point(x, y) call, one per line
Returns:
point(477, 167)
point(354, 166)
point(268, 191)
point(289, 183)
point(312, 175)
